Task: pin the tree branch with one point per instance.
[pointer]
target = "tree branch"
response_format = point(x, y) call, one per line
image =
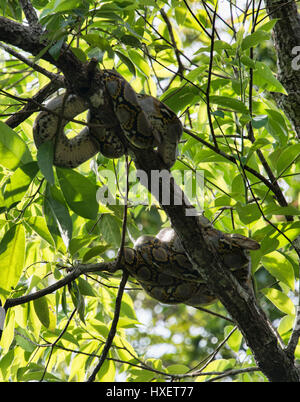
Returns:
point(286, 39)
point(80, 269)
point(30, 15)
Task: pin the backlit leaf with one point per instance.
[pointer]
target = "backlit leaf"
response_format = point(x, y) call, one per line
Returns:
point(280, 300)
point(13, 150)
point(79, 192)
point(12, 253)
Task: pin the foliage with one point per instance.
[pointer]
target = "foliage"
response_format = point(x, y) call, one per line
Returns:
point(219, 80)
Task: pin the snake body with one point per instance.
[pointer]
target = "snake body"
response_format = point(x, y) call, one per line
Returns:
point(164, 271)
point(116, 113)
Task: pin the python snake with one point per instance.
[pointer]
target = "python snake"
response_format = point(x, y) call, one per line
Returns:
point(164, 271)
point(115, 113)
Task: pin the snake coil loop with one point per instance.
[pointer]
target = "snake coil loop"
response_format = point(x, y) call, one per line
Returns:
point(142, 119)
point(164, 271)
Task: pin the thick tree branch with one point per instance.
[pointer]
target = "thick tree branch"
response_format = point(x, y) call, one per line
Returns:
point(286, 35)
point(31, 16)
point(28, 40)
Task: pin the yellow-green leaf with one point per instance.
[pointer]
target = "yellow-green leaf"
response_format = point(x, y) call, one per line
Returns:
point(42, 311)
point(280, 268)
point(13, 150)
point(235, 339)
point(280, 300)
point(39, 225)
point(218, 366)
point(12, 252)
point(177, 369)
point(8, 332)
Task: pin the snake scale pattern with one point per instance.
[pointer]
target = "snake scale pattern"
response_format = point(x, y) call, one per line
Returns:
point(142, 119)
point(117, 113)
point(164, 271)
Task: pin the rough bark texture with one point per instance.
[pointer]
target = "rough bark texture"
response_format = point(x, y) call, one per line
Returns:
point(286, 36)
point(270, 357)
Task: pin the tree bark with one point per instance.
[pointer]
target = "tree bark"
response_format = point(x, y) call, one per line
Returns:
point(286, 36)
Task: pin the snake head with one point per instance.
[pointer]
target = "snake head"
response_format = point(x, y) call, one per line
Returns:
point(238, 240)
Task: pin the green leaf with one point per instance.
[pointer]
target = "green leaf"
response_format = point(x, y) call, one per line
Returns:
point(44, 313)
point(8, 333)
point(235, 339)
point(139, 61)
point(254, 39)
point(56, 48)
point(258, 144)
point(85, 288)
point(126, 322)
point(248, 213)
point(259, 121)
point(80, 54)
point(13, 150)
point(268, 26)
point(280, 300)
point(95, 252)
point(100, 328)
point(107, 372)
point(18, 183)
point(12, 253)
point(79, 192)
point(57, 215)
point(180, 15)
point(45, 155)
point(268, 245)
point(127, 62)
point(276, 210)
point(39, 225)
point(131, 40)
point(219, 365)
point(219, 45)
point(78, 300)
point(77, 243)
point(179, 98)
point(62, 5)
point(276, 126)
point(264, 78)
point(286, 324)
point(177, 369)
point(110, 229)
point(287, 156)
point(280, 268)
point(229, 103)
point(42, 310)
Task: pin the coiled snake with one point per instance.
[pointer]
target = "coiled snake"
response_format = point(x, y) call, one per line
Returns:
point(158, 263)
point(115, 112)
point(164, 271)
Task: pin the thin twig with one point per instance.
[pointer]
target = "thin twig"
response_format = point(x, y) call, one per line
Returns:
point(34, 66)
point(113, 328)
point(56, 341)
point(212, 131)
point(124, 223)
